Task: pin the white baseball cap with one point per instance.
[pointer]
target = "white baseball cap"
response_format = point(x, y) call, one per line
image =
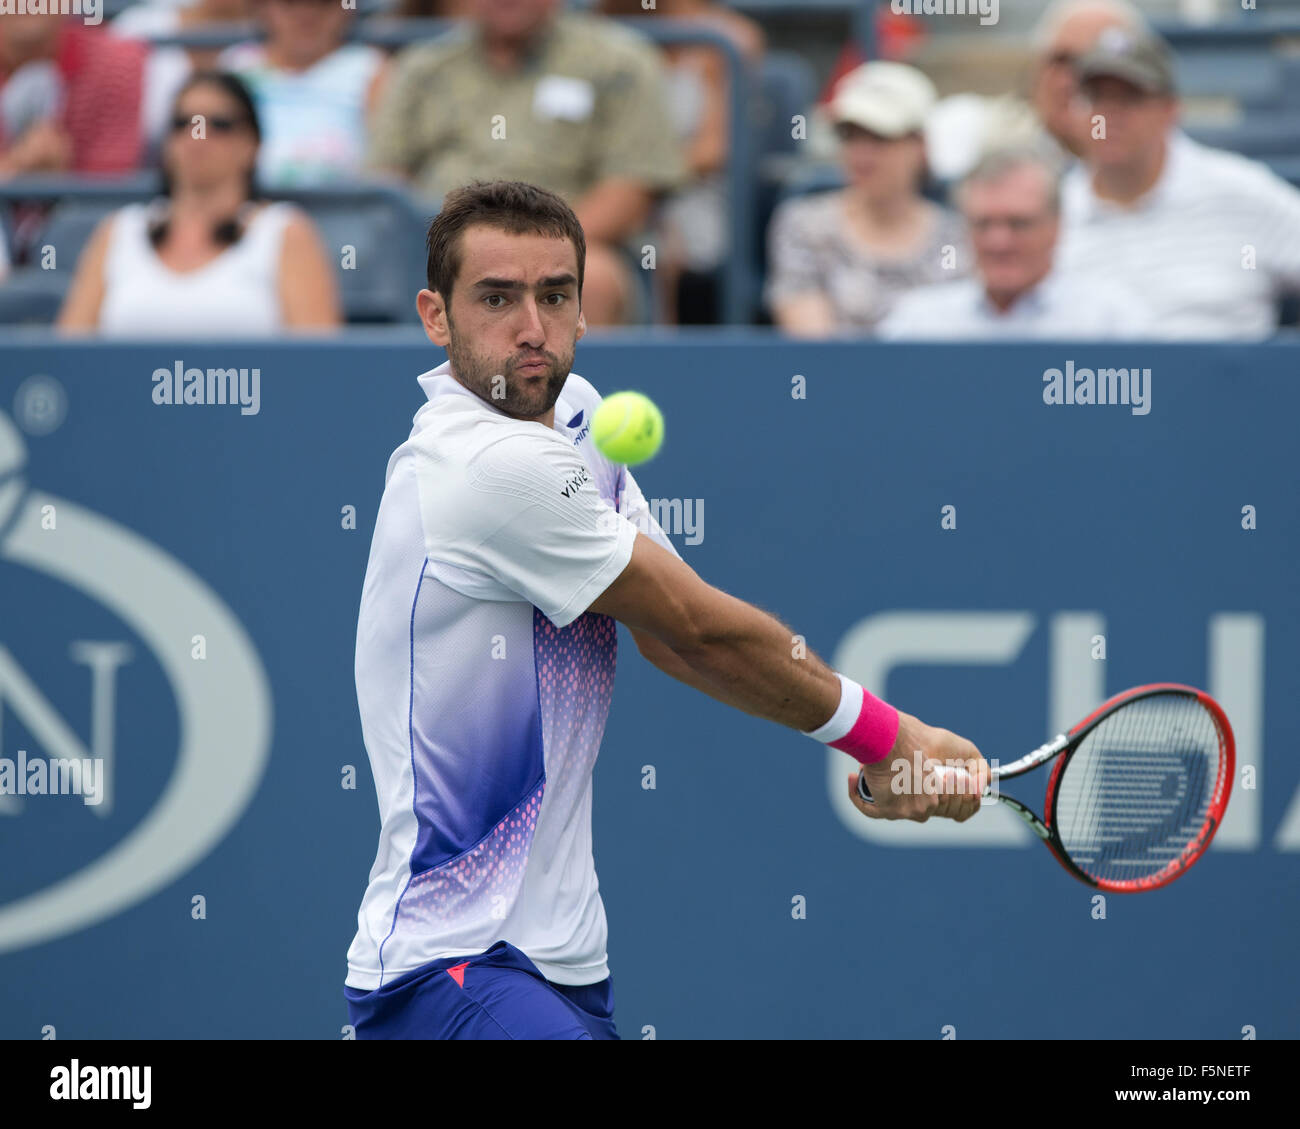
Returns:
point(889, 99)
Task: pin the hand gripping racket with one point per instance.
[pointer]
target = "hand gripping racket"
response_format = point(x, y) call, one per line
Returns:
point(1138, 789)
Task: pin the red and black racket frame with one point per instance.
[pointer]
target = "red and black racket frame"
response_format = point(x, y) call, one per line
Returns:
point(1047, 829)
point(1062, 748)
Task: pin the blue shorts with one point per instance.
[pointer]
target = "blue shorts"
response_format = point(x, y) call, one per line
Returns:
point(499, 994)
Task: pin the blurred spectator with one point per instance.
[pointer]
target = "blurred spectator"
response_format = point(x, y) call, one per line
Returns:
point(167, 68)
point(839, 260)
point(211, 257)
point(434, 9)
point(315, 93)
point(69, 97)
point(897, 37)
point(1067, 29)
point(695, 218)
point(572, 103)
point(1210, 239)
point(1011, 204)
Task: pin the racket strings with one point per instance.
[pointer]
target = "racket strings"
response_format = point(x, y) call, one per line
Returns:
point(1137, 791)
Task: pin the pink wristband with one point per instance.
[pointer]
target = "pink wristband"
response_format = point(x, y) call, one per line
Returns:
point(873, 734)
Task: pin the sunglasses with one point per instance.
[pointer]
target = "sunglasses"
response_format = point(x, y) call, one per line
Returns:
point(215, 124)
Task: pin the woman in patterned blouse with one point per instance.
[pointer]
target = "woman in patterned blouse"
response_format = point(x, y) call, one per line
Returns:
point(839, 260)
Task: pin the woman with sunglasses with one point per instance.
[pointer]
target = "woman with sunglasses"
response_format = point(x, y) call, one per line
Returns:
point(210, 257)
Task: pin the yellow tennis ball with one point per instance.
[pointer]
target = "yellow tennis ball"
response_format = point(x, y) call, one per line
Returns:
point(627, 428)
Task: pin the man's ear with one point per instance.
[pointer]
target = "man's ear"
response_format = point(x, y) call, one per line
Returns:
point(433, 313)
point(582, 326)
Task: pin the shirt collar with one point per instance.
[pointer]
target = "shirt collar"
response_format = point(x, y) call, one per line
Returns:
point(439, 383)
point(536, 48)
point(1179, 153)
point(1032, 301)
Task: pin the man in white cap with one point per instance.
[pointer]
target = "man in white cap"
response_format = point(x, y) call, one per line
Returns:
point(1210, 238)
point(839, 260)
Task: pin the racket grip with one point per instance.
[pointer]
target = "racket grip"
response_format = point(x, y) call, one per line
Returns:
point(864, 793)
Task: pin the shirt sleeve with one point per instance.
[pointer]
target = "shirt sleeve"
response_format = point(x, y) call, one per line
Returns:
point(529, 516)
point(638, 512)
point(394, 128)
point(793, 265)
point(102, 111)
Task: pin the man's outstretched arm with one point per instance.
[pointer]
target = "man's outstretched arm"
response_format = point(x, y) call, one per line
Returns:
point(744, 657)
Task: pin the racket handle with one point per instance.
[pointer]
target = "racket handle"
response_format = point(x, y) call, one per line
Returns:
point(864, 793)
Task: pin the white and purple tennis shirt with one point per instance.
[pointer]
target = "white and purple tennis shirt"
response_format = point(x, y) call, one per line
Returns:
point(484, 684)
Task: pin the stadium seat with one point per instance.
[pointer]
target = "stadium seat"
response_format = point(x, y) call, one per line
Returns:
point(386, 234)
point(1248, 75)
point(787, 85)
point(1260, 135)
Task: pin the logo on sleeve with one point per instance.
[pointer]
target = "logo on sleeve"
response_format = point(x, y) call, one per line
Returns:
point(576, 482)
point(576, 422)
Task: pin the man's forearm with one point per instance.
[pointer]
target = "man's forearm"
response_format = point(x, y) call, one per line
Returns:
point(754, 663)
point(667, 660)
point(614, 210)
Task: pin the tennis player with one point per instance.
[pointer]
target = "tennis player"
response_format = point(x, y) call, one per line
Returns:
point(504, 550)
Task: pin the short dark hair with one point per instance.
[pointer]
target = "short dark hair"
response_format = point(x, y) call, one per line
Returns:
point(508, 205)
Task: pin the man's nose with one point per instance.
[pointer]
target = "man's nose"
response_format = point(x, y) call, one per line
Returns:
point(995, 239)
point(530, 330)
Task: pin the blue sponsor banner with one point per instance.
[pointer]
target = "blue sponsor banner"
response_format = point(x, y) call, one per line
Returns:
point(178, 594)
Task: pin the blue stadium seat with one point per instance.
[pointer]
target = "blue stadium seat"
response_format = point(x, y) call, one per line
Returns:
point(1260, 135)
point(1247, 74)
point(787, 85)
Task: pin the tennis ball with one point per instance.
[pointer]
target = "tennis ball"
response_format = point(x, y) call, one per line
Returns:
point(627, 428)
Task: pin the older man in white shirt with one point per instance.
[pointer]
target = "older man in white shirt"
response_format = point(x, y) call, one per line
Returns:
point(1210, 239)
point(1011, 205)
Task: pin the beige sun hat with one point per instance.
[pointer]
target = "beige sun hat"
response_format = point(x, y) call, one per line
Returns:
point(889, 99)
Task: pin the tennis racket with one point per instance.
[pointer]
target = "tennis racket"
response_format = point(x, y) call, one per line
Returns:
point(1138, 789)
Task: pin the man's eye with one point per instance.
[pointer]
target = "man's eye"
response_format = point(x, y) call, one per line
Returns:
point(494, 298)
point(561, 296)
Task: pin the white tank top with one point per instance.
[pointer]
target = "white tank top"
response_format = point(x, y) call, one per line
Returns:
point(237, 293)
